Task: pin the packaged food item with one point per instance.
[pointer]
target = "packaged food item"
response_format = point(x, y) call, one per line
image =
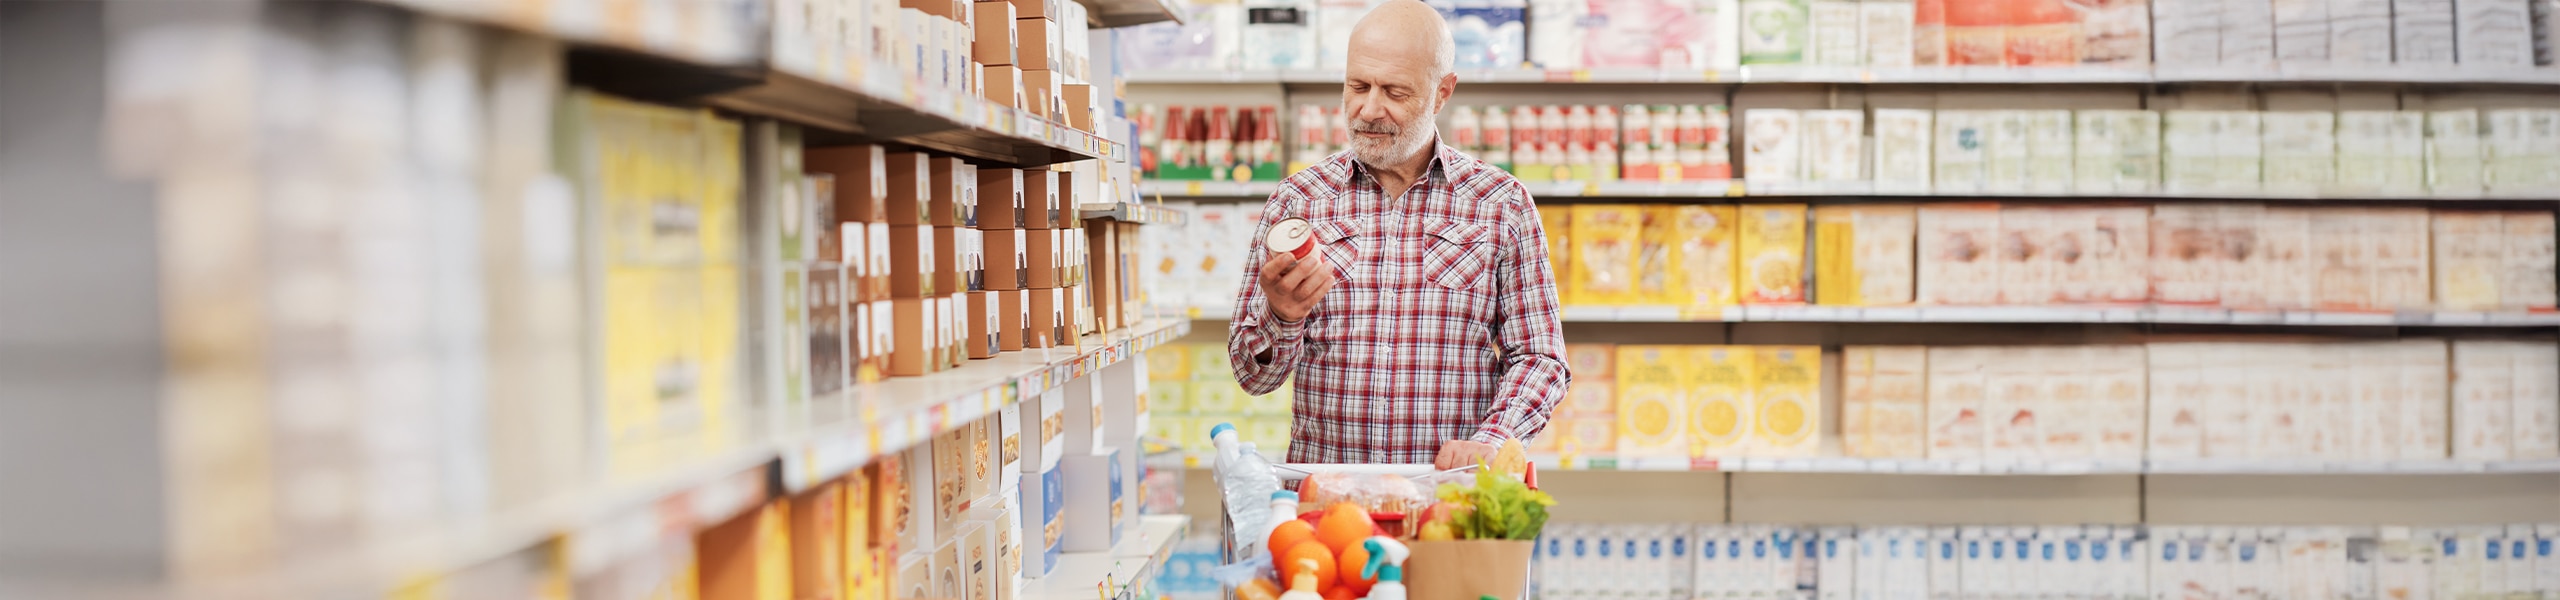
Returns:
point(1786, 392)
point(1773, 246)
point(1955, 402)
point(1652, 413)
point(1371, 492)
point(1773, 145)
point(1775, 32)
point(1863, 254)
point(1834, 145)
point(1718, 383)
point(1704, 259)
point(1902, 150)
point(1958, 254)
point(1607, 239)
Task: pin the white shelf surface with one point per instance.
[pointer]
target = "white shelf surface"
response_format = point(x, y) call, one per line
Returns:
point(902, 412)
point(2019, 314)
point(1627, 188)
point(2425, 74)
point(1129, 212)
point(1911, 466)
point(1107, 575)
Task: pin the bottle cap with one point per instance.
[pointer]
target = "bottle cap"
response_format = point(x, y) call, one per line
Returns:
point(1221, 428)
point(1291, 496)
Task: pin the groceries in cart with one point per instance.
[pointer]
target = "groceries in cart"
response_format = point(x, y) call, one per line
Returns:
point(1354, 532)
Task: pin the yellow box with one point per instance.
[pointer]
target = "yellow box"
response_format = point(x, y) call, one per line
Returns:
point(860, 552)
point(818, 535)
point(1863, 255)
point(1558, 224)
point(1652, 417)
point(747, 558)
point(1772, 257)
point(1657, 282)
point(1718, 379)
point(1587, 435)
point(1169, 363)
point(1209, 362)
point(1786, 392)
point(1607, 241)
point(1703, 260)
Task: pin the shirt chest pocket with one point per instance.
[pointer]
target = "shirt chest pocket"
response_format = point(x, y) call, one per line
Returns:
point(1458, 256)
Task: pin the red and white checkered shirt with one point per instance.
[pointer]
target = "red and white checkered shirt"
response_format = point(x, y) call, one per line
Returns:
point(1442, 325)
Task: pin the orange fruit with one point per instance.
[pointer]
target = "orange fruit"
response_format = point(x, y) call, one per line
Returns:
point(1341, 593)
point(1288, 535)
point(1352, 560)
point(1344, 526)
point(1307, 557)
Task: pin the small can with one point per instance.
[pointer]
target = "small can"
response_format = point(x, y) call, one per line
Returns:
point(1292, 236)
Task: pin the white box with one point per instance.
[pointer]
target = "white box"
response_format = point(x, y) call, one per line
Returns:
point(1044, 440)
point(1085, 429)
point(2364, 163)
point(1772, 145)
point(1955, 404)
point(2425, 399)
point(2178, 387)
point(2483, 400)
point(2192, 147)
point(2242, 153)
point(2248, 33)
point(2536, 391)
point(1887, 27)
point(2422, 31)
point(2049, 151)
point(1961, 157)
point(1095, 512)
point(2493, 34)
point(1945, 559)
point(2302, 31)
point(2360, 31)
point(2453, 159)
point(2187, 33)
point(2528, 260)
point(1836, 37)
point(1902, 149)
point(2302, 151)
point(2005, 166)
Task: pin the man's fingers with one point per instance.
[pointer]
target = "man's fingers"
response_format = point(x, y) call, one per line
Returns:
point(1316, 284)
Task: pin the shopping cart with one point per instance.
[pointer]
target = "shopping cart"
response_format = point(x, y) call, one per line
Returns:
point(1394, 523)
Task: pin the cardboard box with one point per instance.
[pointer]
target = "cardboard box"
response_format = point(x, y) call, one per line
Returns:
point(915, 575)
point(1040, 92)
point(1013, 320)
point(950, 479)
point(1955, 404)
point(1004, 192)
point(913, 270)
point(818, 536)
point(1863, 254)
point(861, 191)
point(949, 255)
point(955, 329)
point(1703, 255)
point(1961, 158)
point(1773, 145)
point(1044, 446)
point(1046, 258)
point(1717, 380)
point(952, 193)
point(914, 352)
point(981, 318)
point(1102, 262)
point(1002, 84)
point(1772, 255)
point(1079, 101)
point(2360, 32)
point(1044, 504)
point(1902, 150)
point(1786, 392)
point(1958, 254)
point(1008, 258)
point(1651, 408)
point(748, 557)
point(1093, 484)
point(997, 38)
point(2453, 153)
point(894, 526)
point(1042, 191)
point(1059, 332)
point(910, 189)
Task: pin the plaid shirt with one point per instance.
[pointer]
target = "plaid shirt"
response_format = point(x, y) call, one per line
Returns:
point(1442, 325)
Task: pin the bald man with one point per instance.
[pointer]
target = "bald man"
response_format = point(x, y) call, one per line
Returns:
point(1424, 329)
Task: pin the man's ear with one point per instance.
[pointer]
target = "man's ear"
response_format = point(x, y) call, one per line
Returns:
point(1448, 85)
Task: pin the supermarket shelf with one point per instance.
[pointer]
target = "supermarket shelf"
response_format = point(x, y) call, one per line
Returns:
point(1160, 188)
point(893, 110)
point(1889, 466)
point(1107, 575)
point(1127, 212)
point(1898, 76)
point(651, 29)
point(901, 412)
point(2016, 314)
point(1124, 13)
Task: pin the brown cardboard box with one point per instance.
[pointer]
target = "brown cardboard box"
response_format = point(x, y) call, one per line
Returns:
point(821, 218)
point(915, 351)
point(1036, 9)
point(982, 319)
point(855, 256)
point(889, 512)
point(973, 260)
point(952, 199)
point(1468, 569)
point(873, 284)
point(1079, 101)
point(1040, 92)
point(1065, 214)
point(818, 541)
point(878, 326)
point(861, 186)
point(1061, 330)
point(1008, 258)
point(912, 267)
point(1044, 249)
point(910, 188)
point(948, 253)
point(1013, 319)
point(736, 555)
point(1045, 328)
point(1104, 243)
point(938, 8)
point(1001, 191)
point(1002, 84)
point(996, 37)
point(1042, 189)
point(953, 329)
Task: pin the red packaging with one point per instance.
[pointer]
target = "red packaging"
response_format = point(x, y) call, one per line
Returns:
point(1293, 236)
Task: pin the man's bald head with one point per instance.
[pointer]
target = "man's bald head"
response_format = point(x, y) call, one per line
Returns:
point(1403, 30)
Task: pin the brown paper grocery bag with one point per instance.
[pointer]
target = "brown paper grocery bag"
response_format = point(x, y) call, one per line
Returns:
point(1468, 570)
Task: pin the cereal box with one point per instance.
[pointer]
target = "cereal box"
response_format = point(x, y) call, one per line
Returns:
point(1902, 150)
point(2177, 387)
point(1786, 391)
point(1773, 145)
point(1657, 282)
point(1834, 145)
point(1607, 239)
point(1882, 401)
point(1718, 380)
point(1703, 261)
point(2527, 282)
point(1558, 223)
point(2119, 392)
point(2029, 273)
point(1773, 246)
point(2469, 249)
point(1862, 254)
point(2185, 254)
point(2015, 391)
point(1651, 411)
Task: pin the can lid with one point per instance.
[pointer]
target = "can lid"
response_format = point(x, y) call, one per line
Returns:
point(1288, 235)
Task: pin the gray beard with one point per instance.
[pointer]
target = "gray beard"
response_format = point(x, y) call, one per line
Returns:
point(1413, 139)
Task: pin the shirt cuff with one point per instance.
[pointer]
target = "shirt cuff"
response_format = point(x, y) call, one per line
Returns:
point(1491, 434)
point(1283, 332)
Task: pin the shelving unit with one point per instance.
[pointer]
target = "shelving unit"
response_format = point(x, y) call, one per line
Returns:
point(1902, 76)
point(1721, 190)
point(1112, 575)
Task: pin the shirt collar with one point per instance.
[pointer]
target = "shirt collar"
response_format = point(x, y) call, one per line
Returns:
point(1441, 169)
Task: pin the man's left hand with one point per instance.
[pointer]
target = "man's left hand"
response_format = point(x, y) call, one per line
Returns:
point(1462, 453)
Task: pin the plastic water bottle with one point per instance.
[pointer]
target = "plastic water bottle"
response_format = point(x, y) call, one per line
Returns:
point(1245, 481)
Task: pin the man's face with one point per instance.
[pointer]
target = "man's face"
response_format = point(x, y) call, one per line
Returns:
point(1389, 99)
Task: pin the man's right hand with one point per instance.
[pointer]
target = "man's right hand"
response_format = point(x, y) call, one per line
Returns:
point(1292, 285)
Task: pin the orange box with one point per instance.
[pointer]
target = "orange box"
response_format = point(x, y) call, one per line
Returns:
point(1048, 325)
point(1078, 99)
point(861, 174)
point(1001, 192)
point(910, 188)
point(1036, 9)
point(1040, 92)
point(983, 323)
point(889, 509)
point(1102, 244)
point(747, 558)
point(1045, 250)
point(1064, 213)
point(952, 199)
point(1042, 191)
point(914, 352)
point(1013, 319)
point(1002, 84)
point(912, 267)
point(996, 37)
point(950, 249)
point(818, 540)
point(1008, 258)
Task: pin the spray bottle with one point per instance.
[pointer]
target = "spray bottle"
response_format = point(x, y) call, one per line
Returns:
point(1303, 586)
point(1386, 565)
